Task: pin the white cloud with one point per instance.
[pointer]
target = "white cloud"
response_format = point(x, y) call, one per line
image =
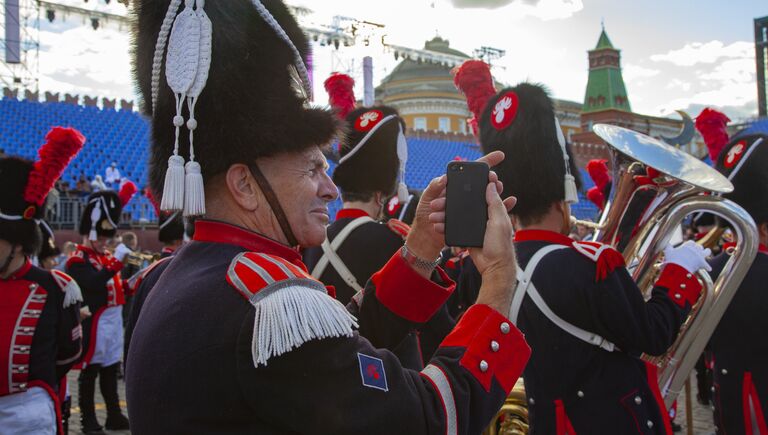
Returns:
point(706, 52)
point(633, 72)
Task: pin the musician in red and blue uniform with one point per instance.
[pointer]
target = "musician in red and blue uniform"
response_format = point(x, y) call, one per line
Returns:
point(40, 332)
point(236, 336)
point(583, 315)
point(740, 357)
point(98, 274)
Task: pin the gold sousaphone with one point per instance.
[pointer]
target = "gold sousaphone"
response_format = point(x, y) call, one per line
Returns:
point(640, 220)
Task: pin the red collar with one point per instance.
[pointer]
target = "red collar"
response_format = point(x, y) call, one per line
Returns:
point(168, 250)
point(20, 272)
point(350, 213)
point(542, 236)
point(90, 251)
point(221, 232)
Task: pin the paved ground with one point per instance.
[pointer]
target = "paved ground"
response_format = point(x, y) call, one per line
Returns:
point(702, 415)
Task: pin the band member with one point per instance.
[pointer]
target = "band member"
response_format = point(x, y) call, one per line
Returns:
point(236, 335)
point(40, 334)
point(98, 274)
point(584, 317)
point(404, 211)
point(358, 242)
point(741, 361)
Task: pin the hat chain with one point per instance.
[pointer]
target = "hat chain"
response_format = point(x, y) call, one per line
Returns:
point(571, 193)
point(297, 60)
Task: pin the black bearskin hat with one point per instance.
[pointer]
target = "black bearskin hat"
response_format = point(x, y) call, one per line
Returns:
point(744, 160)
point(25, 187)
point(171, 227)
point(250, 106)
point(374, 165)
point(14, 172)
point(101, 215)
point(520, 121)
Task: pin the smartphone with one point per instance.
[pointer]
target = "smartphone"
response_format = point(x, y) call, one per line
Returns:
point(466, 211)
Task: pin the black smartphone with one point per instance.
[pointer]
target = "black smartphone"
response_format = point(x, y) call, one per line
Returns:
point(466, 211)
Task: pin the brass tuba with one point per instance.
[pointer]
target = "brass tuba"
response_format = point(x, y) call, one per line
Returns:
point(640, 220)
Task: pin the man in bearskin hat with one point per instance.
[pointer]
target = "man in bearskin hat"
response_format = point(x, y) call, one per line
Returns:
point(98, 274)
point(237, 336)
point(740, 357)
point(582, 313)
point(40, 333)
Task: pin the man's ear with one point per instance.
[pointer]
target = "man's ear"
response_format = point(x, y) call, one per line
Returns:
point(243, 187)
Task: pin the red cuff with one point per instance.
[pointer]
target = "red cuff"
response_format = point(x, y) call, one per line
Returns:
point(683, 287)
point(407, 294)
point(74, 260)
point(495, 347)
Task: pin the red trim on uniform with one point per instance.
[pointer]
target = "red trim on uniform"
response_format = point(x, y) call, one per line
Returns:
point(351, 213)
point(407, 294)
point(563, 424)
point(542, 236)
point(678, 281)
point(56, 403)
point(331, 290)
point(20, 272)
point(221, 232)
point(480, 326)
point(749, 391)
point(167, 250)
point(652, 375)
point(399, 227)
point(623, 402)
point(92, 342)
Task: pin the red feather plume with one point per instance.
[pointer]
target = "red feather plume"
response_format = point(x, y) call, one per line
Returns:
point(127, 190)
point(597, 197)
point(473, 79)
point(712, 126)
point(598, 172)
point(341, 93)
point(61, 146)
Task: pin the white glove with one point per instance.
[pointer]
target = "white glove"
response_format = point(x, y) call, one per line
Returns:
point(689, 255)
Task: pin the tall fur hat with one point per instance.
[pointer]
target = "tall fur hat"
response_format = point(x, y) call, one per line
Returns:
point(254, 101)
point(520, 121)
point(371, 151)
point(101, 215)
point(26, 185)
point(744, 161)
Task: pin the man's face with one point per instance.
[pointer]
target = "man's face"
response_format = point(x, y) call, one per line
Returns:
point(5, 250)
point(100, 245)
point(304, 190)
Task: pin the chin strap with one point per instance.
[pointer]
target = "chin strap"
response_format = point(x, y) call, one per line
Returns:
point(277, 209)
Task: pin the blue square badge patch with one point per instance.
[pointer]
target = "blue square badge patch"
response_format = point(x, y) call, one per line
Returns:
point(372, 372)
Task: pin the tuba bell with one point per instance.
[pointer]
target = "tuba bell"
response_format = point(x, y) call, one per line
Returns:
point(655, 188)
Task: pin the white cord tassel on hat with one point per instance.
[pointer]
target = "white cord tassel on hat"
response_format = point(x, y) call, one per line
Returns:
point(180, 71)
point(571, 193)
point(402, 156)
point(194, 189)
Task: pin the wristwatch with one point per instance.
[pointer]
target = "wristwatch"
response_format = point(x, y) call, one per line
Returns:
point(418, 262)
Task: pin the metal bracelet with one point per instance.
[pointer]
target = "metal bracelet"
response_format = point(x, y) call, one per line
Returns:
point(418, 262)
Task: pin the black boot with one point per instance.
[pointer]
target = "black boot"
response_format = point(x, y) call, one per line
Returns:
point(108, 383)
point(86, 389)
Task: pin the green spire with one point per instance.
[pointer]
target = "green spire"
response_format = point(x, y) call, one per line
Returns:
point(603, 42)
point(605, 87)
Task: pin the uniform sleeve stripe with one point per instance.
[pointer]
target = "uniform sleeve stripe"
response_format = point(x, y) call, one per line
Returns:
point(443, 387)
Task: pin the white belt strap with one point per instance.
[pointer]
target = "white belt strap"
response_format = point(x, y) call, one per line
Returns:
point(525, 286)
point(330, 255)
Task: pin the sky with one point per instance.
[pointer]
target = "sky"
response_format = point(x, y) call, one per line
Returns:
point(676, 54)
